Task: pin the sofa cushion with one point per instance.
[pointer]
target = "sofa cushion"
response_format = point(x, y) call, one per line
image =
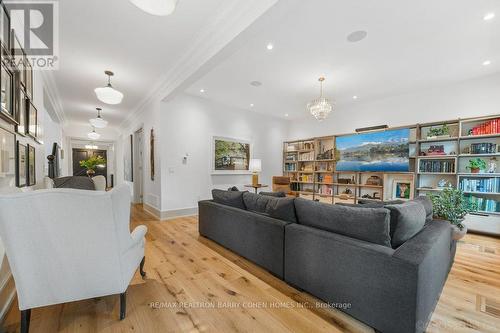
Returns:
point(406, 221)
point(367, 224)
point(274, 194)
point(278, 208)
point(229, 198)
point(373, 203)
point(427, 203)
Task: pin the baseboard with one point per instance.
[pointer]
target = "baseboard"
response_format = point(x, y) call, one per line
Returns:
point(7, 295)
point(170, 214)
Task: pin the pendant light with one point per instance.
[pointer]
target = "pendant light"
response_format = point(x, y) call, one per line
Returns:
point(98, 122)
point(108, 94)
point(321, 107)
point(156, 7)
point(93, 135)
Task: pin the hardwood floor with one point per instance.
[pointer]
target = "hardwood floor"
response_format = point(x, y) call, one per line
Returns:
point(194, 285)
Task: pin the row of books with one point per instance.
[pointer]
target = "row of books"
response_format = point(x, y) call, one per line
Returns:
point(290, 167)
point(306, 156)
point(325, 189)
point(437, 166)
point(485, 185)
point(485, 205)
point(488, 127)
point(325, 178)
point(483, 148)
point(291, 157)
point(306, 178)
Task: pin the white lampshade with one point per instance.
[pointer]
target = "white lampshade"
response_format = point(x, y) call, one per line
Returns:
point(94, 135)
point(156, 7)
point(98, 122)
point(109, 95)
point(255, 165)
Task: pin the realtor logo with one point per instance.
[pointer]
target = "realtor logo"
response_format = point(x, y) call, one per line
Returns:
point(35, 30)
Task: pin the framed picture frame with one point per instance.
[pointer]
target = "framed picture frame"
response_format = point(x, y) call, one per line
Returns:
point(230, 156)
point(7, 158)
point(402, 189)
point(4, 26)
point(21, 165)
point(22, 116)
point(152, 154)
point(32, 114)
point(7, 109)
point(19, 60)
point(28, 81)
point(128, 159)
point(31, 171)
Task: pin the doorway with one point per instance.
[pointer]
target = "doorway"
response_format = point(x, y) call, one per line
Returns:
point(80, 154)
point(138, 166)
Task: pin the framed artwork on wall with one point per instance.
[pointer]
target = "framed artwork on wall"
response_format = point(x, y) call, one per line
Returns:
point(32, 114)
point(6, 85)
point(230, 155)
point(4, 27)
point(152, 154)
point(31, 165)
point(7, 158)
point(28, 78)
point(128, 159)
point(402, 189)
point(22, 165)
point(22, 118)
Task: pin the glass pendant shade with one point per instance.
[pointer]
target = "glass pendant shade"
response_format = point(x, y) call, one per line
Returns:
point(156, 7)
point(321, 107)
point(93, 135)
point(108, 94)
point(98, 122)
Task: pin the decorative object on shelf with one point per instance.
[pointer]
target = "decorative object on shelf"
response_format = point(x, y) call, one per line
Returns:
point(7, 158)
point(492, 165)
point(32, 120)
point(451, 205)
point(321, 107)
point(347, 191)
point(108, 94)
point(255, 167)
point(402, 189)
point(152, 153)
point(31, 165)
point(374, 180)
point(92, 163)
point(93, 135)
point(442, 131)
point(22, 165)
point(98, 122)
point(444, 183)
point(156, 7)
point(345, 181)
point(230, 156)
point(374, 196)
point(476, 165)
point(435, 150)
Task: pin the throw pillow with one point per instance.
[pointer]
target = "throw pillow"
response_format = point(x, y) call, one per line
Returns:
point(229, 198)
point(274, 194)
point(406, 221)
point(427, 203)
point(278, 208)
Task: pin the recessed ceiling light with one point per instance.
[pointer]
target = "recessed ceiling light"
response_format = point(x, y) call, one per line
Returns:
point(270, 46)
point(202, 90)
point(256, 83)
point(486, 62)
point(354, 97)
point(286, 114)
point(251, 105)
point(488, 16)
point(357, 36)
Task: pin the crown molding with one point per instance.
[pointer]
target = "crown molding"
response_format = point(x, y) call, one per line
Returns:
point(231, 21)
point(52, 93)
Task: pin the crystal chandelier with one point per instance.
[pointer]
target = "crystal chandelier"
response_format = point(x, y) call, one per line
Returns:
point(321, 107)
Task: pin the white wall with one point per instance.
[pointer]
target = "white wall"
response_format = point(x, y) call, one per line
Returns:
point(470, 98)
point(188, 125)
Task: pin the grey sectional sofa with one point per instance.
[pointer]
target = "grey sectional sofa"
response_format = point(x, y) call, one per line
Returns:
point(386, 264)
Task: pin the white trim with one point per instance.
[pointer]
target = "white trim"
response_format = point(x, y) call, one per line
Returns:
point(50, 88)
point(10, 298)
point(170, 214)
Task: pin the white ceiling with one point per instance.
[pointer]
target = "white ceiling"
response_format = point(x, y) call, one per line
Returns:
point(141, 49)
point(411, 45)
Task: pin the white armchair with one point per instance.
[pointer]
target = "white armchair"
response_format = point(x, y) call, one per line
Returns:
point(100, 183)
point(67, 245)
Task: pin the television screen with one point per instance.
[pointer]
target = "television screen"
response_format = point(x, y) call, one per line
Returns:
point(376, 151)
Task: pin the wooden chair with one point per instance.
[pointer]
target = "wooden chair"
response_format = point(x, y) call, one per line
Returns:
point(282, 184)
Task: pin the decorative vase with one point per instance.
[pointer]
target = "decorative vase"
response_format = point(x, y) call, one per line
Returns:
point(457, 233)
point(474, 170)
point(90, 173)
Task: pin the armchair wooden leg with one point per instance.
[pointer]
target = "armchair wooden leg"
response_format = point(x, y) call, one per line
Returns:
point(25, 320)
point(141, 267)
point(123, 305)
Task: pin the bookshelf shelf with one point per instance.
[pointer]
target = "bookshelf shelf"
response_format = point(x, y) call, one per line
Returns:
point(485, 136)
point(485, 193)
point(454, 138)
point(437, 157)
point(437, 173)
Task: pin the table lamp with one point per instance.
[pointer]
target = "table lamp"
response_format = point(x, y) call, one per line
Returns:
point(255, 167)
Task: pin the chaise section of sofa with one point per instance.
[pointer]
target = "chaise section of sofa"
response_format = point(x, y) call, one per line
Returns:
point(257, 237)
point(392, 290)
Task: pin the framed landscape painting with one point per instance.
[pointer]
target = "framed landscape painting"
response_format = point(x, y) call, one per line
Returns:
point(7, 158)
point(230, 156)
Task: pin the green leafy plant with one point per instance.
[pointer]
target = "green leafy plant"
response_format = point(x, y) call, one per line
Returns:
point(477, 163)
point(452, 205)
point(439, 131)
point(93, 162)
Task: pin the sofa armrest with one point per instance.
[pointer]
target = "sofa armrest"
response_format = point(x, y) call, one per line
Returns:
point(139, 233)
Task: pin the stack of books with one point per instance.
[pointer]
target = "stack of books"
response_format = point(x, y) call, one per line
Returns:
point(483, 148)
point(485, 185)
point(488, 127)
point(485, 205)
point(437, 166)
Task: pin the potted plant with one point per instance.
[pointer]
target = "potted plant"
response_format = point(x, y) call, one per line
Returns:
point(453, 206)
point(92, 163)
point(476, 164)
point(435, 132)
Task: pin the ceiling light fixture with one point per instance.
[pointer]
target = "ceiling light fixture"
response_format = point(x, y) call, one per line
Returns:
point(252, 105)
point(486, 62)
point(91, 147)
point(354, 97)
point(270, 46)
point(321, 107)
point(489, 16)
point(93, 135)
point(98, 122)
point(156, 7)
point(286, 114)
point(357, 36)
point(108, 94)
point(202, 90)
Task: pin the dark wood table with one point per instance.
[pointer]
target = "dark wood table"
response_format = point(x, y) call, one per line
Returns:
point(256, 187)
